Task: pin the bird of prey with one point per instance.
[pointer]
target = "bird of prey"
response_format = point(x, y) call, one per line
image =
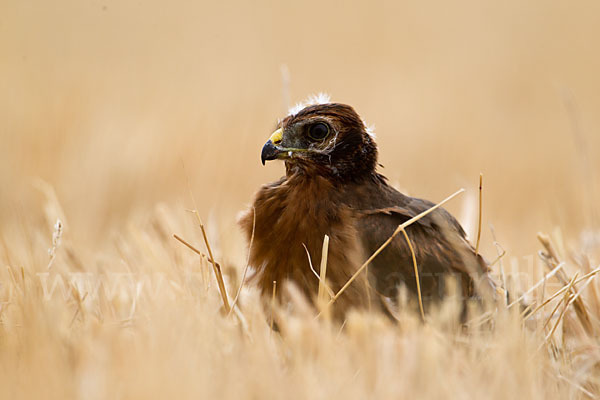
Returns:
point(331, 187)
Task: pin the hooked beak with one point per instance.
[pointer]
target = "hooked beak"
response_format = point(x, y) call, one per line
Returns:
point(270, 150)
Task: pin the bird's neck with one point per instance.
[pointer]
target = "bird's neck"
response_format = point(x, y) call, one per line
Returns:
point(335, 174)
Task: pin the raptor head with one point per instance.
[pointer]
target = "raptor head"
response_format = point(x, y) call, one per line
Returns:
point(323, 138)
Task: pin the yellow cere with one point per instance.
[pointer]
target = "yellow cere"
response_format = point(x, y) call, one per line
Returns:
point(276, 136)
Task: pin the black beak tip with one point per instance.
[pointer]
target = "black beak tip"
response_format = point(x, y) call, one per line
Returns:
point(269, 152)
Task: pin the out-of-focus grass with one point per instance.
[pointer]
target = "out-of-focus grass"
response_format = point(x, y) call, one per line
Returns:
point(111, 110)
point(140, 319)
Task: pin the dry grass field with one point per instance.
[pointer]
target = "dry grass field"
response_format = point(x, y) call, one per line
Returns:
point(117, 117)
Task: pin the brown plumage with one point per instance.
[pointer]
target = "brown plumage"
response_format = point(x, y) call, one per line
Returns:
point(331, 187)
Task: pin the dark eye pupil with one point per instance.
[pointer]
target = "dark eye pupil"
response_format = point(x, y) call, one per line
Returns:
point(319, 131)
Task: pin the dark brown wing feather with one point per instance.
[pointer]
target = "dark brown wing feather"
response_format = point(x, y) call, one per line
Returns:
point(439, 242)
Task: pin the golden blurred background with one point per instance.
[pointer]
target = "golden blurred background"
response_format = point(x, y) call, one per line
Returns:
point(118, 104)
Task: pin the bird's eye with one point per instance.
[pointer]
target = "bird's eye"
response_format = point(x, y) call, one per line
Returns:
point(318, 131)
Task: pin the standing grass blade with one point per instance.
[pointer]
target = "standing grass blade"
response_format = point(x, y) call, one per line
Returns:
point(480, 212)
point(414, 259)
point(217, 270)
point(567, 300)
point(323, 270)
point(273, 305)
point(237, 295)
point(329, 291)
point(216, 267)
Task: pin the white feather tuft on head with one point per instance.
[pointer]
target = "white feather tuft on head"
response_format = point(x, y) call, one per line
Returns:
point(370, 128)
point(319, 98)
